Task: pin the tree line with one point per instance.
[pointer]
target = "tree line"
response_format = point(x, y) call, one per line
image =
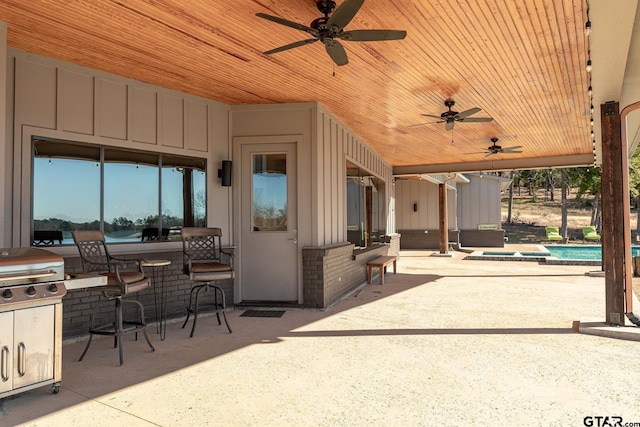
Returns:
point(583, 181)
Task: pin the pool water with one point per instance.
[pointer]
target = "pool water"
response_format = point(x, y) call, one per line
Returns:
point(585, 252)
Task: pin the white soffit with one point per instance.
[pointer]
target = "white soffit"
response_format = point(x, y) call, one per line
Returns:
point(631, 88)
point(609, 44)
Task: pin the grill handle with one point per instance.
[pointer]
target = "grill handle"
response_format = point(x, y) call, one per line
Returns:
point(4, 364)
point(22, 359)
point(29, 276)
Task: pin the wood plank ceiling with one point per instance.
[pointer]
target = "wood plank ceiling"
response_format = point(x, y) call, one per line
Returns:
point(522, 62)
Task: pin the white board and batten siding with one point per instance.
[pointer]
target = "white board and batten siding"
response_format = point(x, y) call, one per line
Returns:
point(323, 146)
point(425, 195)
point(58, 100)
point(479, 202)
point(334, 144)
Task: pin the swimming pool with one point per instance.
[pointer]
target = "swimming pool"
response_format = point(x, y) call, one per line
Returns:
point(582, 252)
point(590, 252)
point(552, 254)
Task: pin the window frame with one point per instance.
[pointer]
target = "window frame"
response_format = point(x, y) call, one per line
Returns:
point(367, 180)
point(128, 155)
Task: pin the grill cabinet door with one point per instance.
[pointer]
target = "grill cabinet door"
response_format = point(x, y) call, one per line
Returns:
point(33, 345)
point(6, 351)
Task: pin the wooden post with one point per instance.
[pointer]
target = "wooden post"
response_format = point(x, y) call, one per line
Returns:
point(444, 218)
point(187, 198)
point(628, 258)
point(368, 215)
point(615, 207)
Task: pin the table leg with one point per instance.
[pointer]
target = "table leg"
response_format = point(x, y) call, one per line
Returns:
point(163, 306)
point(156, 312)
point(160, 301)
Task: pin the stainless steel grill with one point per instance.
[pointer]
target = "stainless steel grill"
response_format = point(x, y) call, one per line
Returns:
point(31, 291)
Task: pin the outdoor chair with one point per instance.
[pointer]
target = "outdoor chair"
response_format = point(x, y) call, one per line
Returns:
point(46, 237)
point(553, 234)
point(590, 233)
point(205, 262)
point(95, 257)
point(153, 233)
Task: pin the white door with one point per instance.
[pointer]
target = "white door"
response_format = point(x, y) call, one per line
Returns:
point(269, 234)
point(33, 339)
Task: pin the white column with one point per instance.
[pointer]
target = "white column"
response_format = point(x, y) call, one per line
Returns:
point(6, 160)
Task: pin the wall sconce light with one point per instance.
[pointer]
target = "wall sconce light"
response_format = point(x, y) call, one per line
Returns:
point(589, 67)
point(225, 173)
point(587, 27)
point(590, 90)
point(415, 207)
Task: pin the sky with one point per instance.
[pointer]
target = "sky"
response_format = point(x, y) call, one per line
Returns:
point(69, 189)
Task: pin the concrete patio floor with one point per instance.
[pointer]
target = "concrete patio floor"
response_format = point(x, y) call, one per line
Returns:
point(444, 342)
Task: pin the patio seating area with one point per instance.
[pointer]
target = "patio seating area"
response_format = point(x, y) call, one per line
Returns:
point(462, 343)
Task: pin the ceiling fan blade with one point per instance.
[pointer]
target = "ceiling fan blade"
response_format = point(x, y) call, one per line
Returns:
point(336, 52)
point(344, 13)
point(490, 153)
point(515, 147)
point(431, 115)
point(288, 23)
point(426, 123)
point(476, 119)
point(372, 35)
point(449, 125)
point(290, 46)
point(468, 112)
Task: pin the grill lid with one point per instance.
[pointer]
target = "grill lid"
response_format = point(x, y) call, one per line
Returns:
point(29, 265)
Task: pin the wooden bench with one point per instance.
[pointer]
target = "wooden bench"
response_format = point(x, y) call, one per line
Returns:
point(381, 263)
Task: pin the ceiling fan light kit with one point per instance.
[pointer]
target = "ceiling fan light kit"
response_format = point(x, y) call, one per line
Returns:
point(449, 117)
point(495, 149)
point(330, 29)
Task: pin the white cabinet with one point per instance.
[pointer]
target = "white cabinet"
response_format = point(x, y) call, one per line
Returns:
point(6, 351)
point(27, 349)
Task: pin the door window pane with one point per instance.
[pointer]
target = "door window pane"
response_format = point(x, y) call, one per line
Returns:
point(269, 192)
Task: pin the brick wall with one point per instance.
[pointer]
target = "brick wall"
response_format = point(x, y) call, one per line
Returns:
point(393, 240)
point(482, 238)
point(331, 272)
point(425, 239)
point(78, 304)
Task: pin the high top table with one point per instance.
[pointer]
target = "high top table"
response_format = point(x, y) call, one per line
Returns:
point(159, 297)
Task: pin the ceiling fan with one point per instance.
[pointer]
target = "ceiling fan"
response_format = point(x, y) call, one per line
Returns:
point(450, 117)
point(495, 149)
point(330, 29)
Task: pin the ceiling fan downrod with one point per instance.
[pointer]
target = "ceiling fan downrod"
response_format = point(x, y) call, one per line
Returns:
point(326, 6)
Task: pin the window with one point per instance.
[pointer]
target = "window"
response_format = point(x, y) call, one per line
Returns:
point(366, 213)
point(128, 195)
point(269, 198)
